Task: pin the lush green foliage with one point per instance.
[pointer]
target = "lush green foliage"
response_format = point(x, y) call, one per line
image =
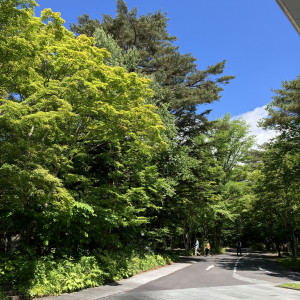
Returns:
point(181, 84)
point(2, 295)
point(277, 180)
point(103, 147)
point(54, 119)
point(40, 276)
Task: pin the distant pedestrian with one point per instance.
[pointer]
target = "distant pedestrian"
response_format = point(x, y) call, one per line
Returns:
point(207, 249)
point(196, 247)
point(239, 248)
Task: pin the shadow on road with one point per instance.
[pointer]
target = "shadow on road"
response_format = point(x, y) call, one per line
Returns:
point(259, 263)
point(190, 259)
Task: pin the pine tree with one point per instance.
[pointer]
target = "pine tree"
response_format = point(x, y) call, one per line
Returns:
point(185, 86)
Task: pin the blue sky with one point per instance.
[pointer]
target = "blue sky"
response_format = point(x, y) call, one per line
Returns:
point(261, 47)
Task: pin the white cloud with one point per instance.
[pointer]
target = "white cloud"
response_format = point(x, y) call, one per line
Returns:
point(252, 118)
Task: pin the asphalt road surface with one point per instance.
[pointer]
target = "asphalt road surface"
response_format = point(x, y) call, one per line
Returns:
point(223, 277)
point(227, 276)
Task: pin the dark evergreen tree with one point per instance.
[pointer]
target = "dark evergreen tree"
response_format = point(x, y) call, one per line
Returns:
point(185, 87)
point(180, 87)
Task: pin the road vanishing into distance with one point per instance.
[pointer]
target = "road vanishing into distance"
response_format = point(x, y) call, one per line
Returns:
point(227, 276)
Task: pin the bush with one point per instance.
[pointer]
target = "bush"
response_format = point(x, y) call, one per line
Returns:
point(175, 253)
point(258, 247)
point(48, 276)
point(43, 276)
point(2, 296)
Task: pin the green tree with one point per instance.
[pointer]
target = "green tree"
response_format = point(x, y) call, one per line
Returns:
point(85, 25)
point(185, 87)
point(277, 187)
point(230, 146)
point(179, 87)
point(58, 104)
point(211, 188)
point(284, 109)
point(276, 205)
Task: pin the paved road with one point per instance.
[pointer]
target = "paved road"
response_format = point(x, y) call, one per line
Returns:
point(251, 276)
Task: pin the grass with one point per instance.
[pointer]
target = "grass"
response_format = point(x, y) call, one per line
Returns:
point(293, 265)
point(294, 286)
point(289, 263)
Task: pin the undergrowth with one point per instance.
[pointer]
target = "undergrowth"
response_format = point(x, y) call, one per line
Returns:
point(289, 263)
point(50, 275)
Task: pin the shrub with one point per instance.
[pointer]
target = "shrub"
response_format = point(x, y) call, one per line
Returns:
point(43, 276)
point(3, 296)
point(258, 247)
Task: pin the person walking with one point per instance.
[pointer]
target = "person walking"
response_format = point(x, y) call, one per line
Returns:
point(207, 249)
point(197, 247)
point(239, 248)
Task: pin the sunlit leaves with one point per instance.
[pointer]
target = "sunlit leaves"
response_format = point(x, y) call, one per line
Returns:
point(59, 101)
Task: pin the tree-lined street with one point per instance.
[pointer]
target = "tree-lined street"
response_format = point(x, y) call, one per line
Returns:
point(110, 165)
point(253, 275)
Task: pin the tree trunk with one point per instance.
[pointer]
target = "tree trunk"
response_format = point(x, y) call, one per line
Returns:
point(218, 234)
point(268, 244)
point(278, 249)
point(187, 241)
point(294, 245)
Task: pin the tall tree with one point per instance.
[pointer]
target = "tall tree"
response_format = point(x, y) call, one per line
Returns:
point(185, 86)
point(284, 110)
point(281, 168)
point(276, 205)
point(180, 87)
point(230, 145)
point(58, 104)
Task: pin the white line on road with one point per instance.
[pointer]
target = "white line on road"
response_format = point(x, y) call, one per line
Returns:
point(261, 269)
point(242, 278)
point(235, 266)
point(210, 267)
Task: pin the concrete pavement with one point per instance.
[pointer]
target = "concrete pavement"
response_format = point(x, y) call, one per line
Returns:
point(249, 292)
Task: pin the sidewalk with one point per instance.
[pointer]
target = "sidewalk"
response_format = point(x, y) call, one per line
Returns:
point(125, 285)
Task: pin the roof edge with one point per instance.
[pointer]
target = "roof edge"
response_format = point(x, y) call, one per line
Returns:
point(288, 15)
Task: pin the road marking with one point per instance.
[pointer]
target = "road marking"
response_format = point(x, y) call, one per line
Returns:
point(242, 278)
point(235, 266)
point(261, 269)
point(210, 267)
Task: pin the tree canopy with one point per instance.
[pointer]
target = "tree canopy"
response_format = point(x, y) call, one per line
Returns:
point(104, 142)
